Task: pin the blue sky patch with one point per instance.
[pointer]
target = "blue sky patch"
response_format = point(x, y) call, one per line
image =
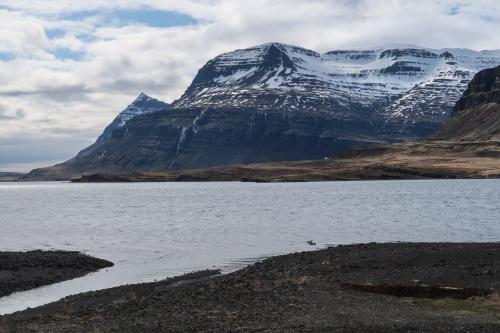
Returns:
point(64, 53)
point(121, 17)
point(55, 33)
point(6, 56)
point(145, 16)
point(153, 18)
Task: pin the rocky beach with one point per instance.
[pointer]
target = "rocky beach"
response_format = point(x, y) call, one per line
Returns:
point(393, 287)
point(27, 270)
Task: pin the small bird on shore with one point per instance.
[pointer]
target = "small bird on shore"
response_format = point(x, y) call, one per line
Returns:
point(310, 242)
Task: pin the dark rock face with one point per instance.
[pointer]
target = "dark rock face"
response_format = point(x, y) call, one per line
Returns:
point(142, 105)
point(484, 88)
point(194, 137)
point(401, 68)
point(355, 54)
point(398, 53)
point(277, 102)
point(477, 114)
point(446, 55)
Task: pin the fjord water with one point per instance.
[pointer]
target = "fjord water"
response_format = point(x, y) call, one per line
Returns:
point(156, 230)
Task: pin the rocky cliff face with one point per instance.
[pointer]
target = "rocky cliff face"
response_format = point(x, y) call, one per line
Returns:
point(277, 102)
point(477, 114)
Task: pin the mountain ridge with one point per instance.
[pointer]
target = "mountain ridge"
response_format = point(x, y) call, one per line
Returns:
point(467, 146)
point(277, 102)
point(395, 81)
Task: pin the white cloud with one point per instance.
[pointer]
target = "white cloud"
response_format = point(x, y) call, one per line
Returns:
point(115, 63)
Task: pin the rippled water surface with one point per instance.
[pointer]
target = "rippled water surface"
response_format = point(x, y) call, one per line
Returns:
point(154, 230)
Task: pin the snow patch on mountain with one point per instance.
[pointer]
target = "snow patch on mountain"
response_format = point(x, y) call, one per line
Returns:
point(143, 104)
point(393, 86)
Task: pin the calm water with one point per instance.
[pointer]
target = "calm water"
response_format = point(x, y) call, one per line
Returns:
point(155, 230)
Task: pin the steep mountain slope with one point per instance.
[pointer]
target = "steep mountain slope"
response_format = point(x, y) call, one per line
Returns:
point(476, 116)
point(399, 91)
point(277, 102)
point(142, 105)
point(467, 146)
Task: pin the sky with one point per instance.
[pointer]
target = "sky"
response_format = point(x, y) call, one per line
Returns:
point(67, 68)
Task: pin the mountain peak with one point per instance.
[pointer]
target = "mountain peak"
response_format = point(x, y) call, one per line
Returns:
point(396, 80)
point(142, 97)
point(143, 104)
point(144, 101)
point(273, 44)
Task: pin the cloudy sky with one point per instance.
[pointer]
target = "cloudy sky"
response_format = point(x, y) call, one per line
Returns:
point(68, 67)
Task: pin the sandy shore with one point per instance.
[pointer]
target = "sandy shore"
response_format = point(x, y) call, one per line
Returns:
point(26, 270)
point(360, 288)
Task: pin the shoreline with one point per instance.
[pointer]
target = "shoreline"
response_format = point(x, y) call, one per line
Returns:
point(382, 287)
point(409, 161)
point(22, 271)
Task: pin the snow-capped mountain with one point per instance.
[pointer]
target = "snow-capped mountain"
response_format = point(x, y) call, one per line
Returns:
point(143, 104)
point(403, 91)
point(277, 102)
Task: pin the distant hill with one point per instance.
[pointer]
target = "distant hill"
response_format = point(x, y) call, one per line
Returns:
point(10, 176)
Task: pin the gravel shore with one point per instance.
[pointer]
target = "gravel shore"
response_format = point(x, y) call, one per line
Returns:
point(26, 270)
point(397, 287)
